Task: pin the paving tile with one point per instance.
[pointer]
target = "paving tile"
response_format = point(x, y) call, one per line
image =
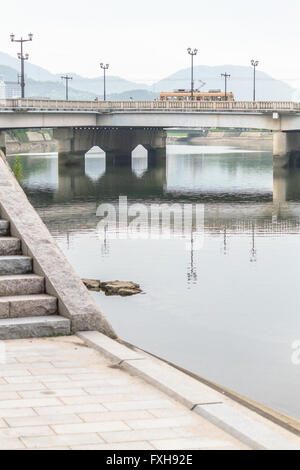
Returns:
point(114, 416)
point(141, 445)
point(138, 405)
point(96, 384)
point(141, 435)
point(37, 378)
point(125, 389)
point(191, 443)
point(90, 427)
point(111, 397)
point(91, 377)
point(43, 420)
point(28, 431)
point(8, 413)
point(18, 366)
point(11, 444)
point(67, 364)
point(14, 373)
point(8, 395)
point(61, 440)
point(68, 409)
point(57, 393)
point(170, 412)
point(22, 387)
point(29, 403)
point(84, 400)
point(56, 371)
point(157, 423)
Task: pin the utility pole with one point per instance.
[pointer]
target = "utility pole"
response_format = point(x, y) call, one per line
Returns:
point(67, 78)
point(104, 67)
point(254, 64)
point(226, 76)
point(22, 58)
point(192, 53)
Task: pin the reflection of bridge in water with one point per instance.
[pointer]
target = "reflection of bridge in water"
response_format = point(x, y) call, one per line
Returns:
point(78, 183)
point(68, 205)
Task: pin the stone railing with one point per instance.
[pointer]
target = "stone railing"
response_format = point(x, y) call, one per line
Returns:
point(136, 106)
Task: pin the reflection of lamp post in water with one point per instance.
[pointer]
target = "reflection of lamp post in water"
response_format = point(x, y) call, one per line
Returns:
point(105, 244)
point(225, 241)
point(253, 252)
point(192, 272)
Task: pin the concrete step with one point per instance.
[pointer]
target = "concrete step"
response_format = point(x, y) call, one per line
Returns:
point(32, 327)
point(22, 284)
point(27, 306)
point(10, 246)
point(15, 265)
point(4, 228)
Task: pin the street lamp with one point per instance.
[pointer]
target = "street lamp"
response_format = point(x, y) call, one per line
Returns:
point(67, 78)
point(192, 53)
point(22, 58)
point(254, 64)
point(104, 67)
point(226, 76)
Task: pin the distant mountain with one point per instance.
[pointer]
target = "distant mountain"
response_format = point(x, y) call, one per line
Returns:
point(113, 84)
point(33, 71)
point(55, 90)
point(45, 89)
point(240, 82)
point(41, 82)
point(92, 85)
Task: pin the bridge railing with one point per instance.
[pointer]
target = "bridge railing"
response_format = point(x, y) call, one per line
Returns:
point(136, 106)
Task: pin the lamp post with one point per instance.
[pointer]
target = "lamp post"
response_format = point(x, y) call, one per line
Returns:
point(192, 53)
point(104, 67)
point(254, 64)
point(67, 78)
point(226, 76)
point(22, 58)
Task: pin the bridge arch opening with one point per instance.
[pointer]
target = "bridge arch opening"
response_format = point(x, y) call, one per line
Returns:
point(139, 160)
point(95, 163)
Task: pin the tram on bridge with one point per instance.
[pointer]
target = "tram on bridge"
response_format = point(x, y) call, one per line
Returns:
point(186, 95)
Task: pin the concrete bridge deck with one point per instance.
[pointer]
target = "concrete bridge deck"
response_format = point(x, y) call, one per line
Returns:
point(119, 126)
point(178, 106)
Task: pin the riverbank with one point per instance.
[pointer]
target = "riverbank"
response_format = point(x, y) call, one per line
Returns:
point(29, 141)
point(252, 140)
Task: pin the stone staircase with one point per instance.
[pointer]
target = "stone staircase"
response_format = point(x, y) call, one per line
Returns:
point(26, 311)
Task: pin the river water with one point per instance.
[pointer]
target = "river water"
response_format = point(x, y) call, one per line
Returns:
point(225, 305)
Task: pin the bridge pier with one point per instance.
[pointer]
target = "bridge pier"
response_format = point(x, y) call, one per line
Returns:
point(286, 149)
point(156, 157)
point(118, 143)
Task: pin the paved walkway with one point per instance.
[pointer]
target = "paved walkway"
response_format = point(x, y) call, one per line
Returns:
point(58, 393)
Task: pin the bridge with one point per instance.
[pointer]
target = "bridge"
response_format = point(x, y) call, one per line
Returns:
point(117, 127)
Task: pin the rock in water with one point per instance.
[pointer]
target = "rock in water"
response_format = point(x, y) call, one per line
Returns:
point(92, 284)
point(122, 288)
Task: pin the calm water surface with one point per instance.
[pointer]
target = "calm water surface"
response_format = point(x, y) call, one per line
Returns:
point(230, 311)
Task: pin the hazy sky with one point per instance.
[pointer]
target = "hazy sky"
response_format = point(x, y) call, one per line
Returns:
point(145, 41)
